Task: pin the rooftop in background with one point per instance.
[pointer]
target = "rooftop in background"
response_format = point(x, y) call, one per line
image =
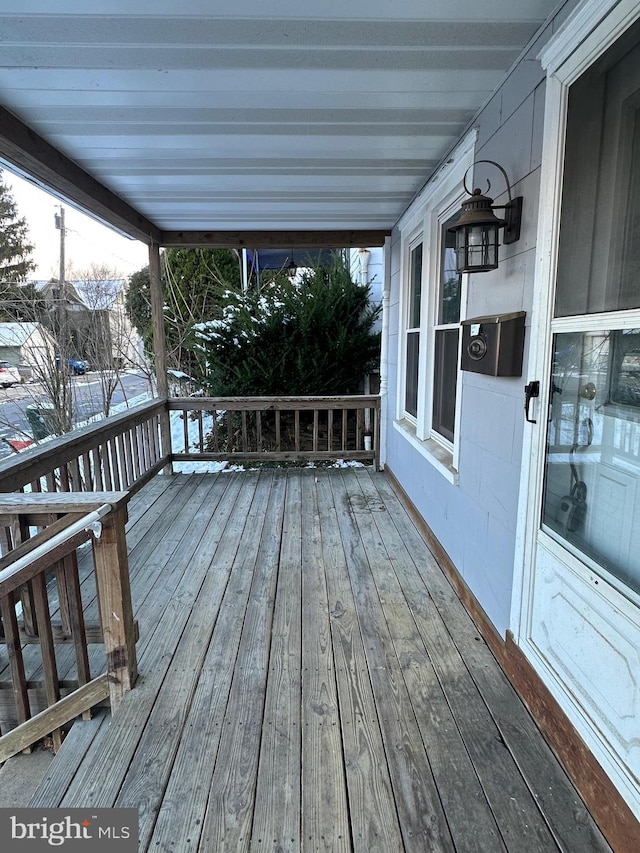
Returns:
point(98, 294)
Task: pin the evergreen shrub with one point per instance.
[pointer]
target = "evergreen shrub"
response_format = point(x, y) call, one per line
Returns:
point(310, 336)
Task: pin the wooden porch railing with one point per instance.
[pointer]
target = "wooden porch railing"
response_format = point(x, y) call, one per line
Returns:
point(119, 453)
point(27, 599)
point(277, 428)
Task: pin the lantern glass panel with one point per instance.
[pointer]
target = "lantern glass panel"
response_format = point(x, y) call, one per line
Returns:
point(477, 248)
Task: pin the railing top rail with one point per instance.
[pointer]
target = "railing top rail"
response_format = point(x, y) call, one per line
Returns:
point(17, 503)
point(355, 401)
point(83, 526)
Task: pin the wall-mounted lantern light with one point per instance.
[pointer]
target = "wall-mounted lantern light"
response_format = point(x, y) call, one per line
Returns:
point(477, 227)
point(292, 267)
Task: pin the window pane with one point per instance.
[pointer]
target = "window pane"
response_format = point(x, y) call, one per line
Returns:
point(599, 251)
point(445, 379)
point(592, 473)
point(450, 280)
point(415, 287)
point(411, 395)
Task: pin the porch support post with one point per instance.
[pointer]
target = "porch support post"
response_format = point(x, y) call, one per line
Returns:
point(384, 355)
point(114, 595)
point(160, 347)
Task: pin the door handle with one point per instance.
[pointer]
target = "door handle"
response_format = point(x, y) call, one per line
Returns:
point(532, 389)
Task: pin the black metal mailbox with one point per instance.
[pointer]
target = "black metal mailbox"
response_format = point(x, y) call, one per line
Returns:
point(494, 345)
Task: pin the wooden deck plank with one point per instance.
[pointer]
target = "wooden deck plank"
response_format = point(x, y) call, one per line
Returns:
point(309, 681)
point(469, 814)
point(68, 759)
point(325, 815)
point(185, 799)
point(372, 811)
point(553, 791)
point(276, 818)
point(420, 811)
point(521, 823)
point(228, 820)
point(148, 775)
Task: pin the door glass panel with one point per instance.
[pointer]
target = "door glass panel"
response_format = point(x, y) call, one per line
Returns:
point(592, 477)
point(599, 250)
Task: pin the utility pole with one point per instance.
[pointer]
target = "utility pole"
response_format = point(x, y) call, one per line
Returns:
point(63, 331)
point(59, 220)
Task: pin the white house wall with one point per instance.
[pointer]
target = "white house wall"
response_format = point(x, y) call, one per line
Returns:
point(475, 518)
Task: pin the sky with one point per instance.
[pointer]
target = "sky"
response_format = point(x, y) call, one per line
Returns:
point(87, 242)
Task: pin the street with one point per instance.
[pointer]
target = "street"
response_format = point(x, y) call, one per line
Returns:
point(87, 394)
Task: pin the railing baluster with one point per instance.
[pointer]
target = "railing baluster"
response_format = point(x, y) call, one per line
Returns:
point(98, 476)
point(122, 461)
point(200, 432)
point(229, 431)
point(76, 614)
point(75, 478)
point(87, 470)
point(330, 429)
point(65, 479)
point(49, 667)
point(105, 467)
point(138, 450)
point(278, 435)
point(185, 430)
point(216, 446)
point(245, 438)
point(16, 662)
point(296, 417)
point(259, 447)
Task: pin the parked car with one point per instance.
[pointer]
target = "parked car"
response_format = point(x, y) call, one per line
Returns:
point(77, 365)
point(9, 374)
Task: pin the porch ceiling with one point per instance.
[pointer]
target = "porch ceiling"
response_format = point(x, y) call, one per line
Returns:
point(186, 122)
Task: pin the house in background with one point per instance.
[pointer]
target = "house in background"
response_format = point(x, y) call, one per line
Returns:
point(26, 346)
point(98, 327)
point(510, 404)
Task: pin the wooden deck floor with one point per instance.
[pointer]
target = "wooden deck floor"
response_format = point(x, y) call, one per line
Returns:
point(310, 682)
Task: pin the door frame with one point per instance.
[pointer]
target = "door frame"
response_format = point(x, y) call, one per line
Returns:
point(587, 33)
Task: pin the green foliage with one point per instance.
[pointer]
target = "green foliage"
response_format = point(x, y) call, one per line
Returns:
point(138, 304)
point(15, 249)
point(313, 336)
point(193, 284)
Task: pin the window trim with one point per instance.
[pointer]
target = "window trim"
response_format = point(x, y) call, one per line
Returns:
point(422, 223)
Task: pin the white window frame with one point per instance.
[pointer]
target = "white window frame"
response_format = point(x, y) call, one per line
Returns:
point(422, 223)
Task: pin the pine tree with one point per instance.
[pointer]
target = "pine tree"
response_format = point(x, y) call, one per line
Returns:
point(15, 249)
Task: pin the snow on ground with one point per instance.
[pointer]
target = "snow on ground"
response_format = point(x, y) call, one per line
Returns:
point(208, 467)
